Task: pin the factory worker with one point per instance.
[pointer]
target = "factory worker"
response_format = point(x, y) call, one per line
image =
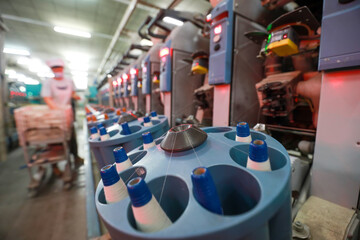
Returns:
point(57, 92)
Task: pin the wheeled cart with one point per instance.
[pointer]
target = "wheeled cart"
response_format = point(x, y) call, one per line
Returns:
point(48, 132)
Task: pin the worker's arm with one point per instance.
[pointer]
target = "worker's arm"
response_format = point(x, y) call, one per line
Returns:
point(50, 103)
point(75, 96)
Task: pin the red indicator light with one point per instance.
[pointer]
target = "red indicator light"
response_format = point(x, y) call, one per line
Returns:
point(125, 77)
point(164, 52)
point(285, 36)
point(115, 83)
point(217, 29)
point(208, 17)
point(133, 71)
point(144, 69)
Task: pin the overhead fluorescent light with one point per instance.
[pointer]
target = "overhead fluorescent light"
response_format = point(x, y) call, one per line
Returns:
point(173, 21)
point(78, 67)
point(23, 61)
point(72, 32)
point(79, 73)
point(109, 75)
point(10, 72)
point(145, 42)
point(81, 83)
point(16, 51)
point(30, 81)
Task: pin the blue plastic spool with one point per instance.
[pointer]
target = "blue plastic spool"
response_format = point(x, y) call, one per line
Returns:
point(256, 204)
point(103, 150)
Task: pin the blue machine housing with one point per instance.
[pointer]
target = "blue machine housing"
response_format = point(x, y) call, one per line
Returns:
point(126, 89)
point(134, 82)
point(220, 61)
point(103, 150)
point(146, 88)
point(166, 69)
point(256, 204)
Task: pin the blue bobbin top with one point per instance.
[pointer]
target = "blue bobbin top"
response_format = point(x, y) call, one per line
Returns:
point(258, 151)
point(100, 125)
point(102, 131)
point(120, 154)
point(205, 191)
point(93, 130)
point(125, 128)
point(146, 119)
point(242, 129)
point(139, 192)
point(153, 114)
point(109, 175)
point(147, 137)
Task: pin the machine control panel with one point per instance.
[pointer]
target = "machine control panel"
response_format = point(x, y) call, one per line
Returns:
point(165, 67)
point(134, 80)
point(221, 36)
point(146, 75)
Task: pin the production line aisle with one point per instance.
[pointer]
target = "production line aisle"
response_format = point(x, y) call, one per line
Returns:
point(55, 214)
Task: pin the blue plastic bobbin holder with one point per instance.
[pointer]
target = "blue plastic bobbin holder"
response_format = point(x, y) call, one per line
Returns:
point(256, 204)
point(103, 150)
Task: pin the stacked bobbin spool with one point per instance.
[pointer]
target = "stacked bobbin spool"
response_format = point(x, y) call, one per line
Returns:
point(255, 204)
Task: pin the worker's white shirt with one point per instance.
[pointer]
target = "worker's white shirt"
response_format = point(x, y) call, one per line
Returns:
point(59, 90)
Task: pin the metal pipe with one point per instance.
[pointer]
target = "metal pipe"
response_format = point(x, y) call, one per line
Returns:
point(129, 11)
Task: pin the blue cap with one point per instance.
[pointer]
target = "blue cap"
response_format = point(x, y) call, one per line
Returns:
point(93, 130)
point(109, 175)
point(242, 129)
point(153, 114)
point(115, 120)
point(120, 154)
point(125, 128)
point(139, 192)
point(100, 125)
point(205, 191)
point(147, 137)
point(102, 131)
point(146, 119)
point(258, 151)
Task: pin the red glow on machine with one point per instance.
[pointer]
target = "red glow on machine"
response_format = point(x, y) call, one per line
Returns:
point(217, 29)
point(133, 71)
point(144, 69)
point(285, 36)
point(125, 77)
point(208, 17)
point(115, 83)
point(164, 52)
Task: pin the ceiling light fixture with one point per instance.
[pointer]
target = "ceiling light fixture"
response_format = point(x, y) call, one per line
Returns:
point(72, 32)
point(15, 51)
point(173, 21)
point(145, 42)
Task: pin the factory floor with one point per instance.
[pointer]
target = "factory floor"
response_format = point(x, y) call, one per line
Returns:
point(54, 214)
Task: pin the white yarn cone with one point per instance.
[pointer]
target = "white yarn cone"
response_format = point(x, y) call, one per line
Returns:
point(259, 166)
point(151, 217)
point(115, 192)
point(148, 124)
point(104, 137)
point(123, 165)
point(149, 145)
point(243, 139)
point(95, 136)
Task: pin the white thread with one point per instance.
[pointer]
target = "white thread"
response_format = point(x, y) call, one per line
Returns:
point(148, 124)
point(151, 217)
point(123, 165)
point(259, 166)
point(149, 145)
point(95, 136)
point(155, 118)
point(104, 137)
point(243, 139)
point(115, 192)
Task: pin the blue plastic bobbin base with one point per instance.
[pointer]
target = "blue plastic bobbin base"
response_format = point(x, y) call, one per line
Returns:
point(256, 204)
